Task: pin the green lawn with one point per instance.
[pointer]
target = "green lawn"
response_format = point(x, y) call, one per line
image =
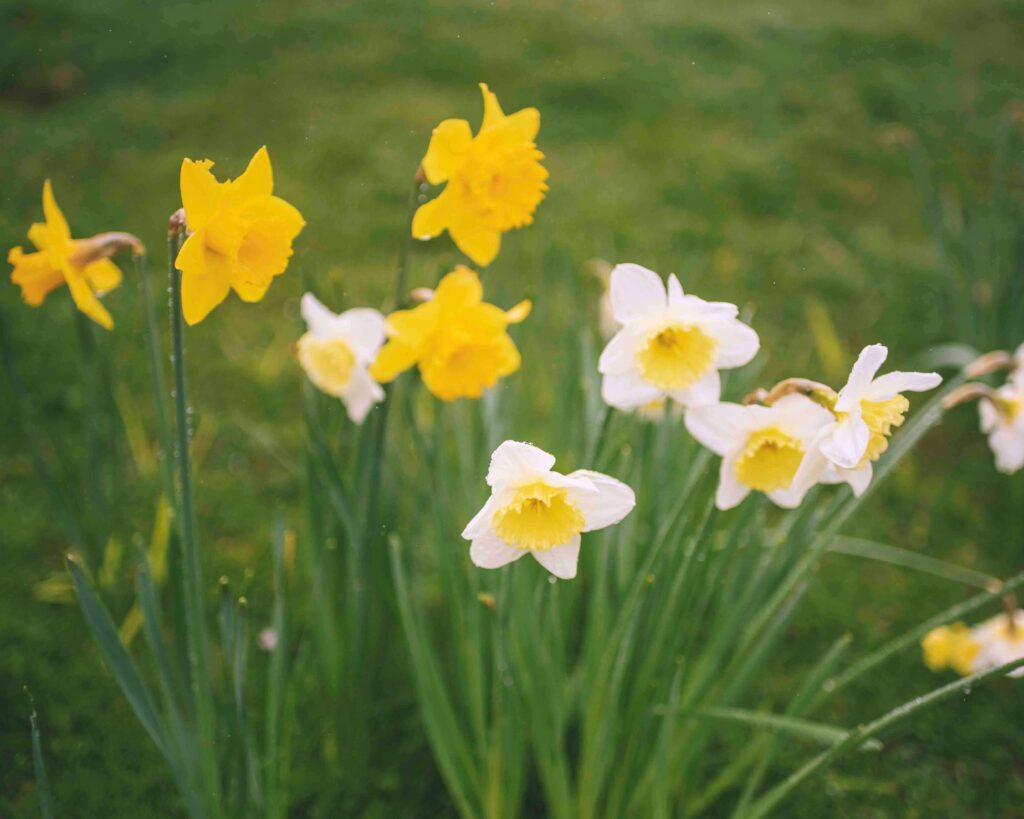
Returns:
point(759, 150)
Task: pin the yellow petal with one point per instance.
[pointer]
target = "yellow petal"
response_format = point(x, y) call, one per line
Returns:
point(492, 110)
point(448, 144)
point(413, 328)
point(476, 240)
point(34, 274)
point(103, 275)
point(200, 192)
point(39, 235)
point(85, 299)
point(55, 221)
point(205, 278)
point(257, 179)
point(392, 359)
point(274, 214)
point(522, 125)
point(431, 218)
point(458, 290)
point(519, 312)
point(507, 358)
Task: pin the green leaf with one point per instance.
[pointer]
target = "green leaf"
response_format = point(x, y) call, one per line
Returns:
point(883, 552)
point(820, 732)
point(42, 782)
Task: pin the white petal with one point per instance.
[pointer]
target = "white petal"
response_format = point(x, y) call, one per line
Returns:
point(871, 358)
point(813, 469)
point(730, 491)
point(722, 428)
point(705, 390)
point(628, 390)
point(694, 309)
point(491, 552)
point(675, 291)
point(612, 502)
point(858, 479)
point(321, 321)
point(514, 462)
point(635, 292)
point(363, 329)
point(560, 560)
point(802, 417)
point(890, 384)
point(846, 444)
point(619, 355)
point(360, 394)
point(989, 415)
point(737, 343)
point(481, 522)
point(1007, 444)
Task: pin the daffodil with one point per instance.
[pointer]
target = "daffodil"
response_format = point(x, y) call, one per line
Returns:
point(537, 511)
point(495, 179)
point(63, 260)
point(460, 342)
point(867, 409)
point(670, 344)
point(337, 351)
point(240, 235)
point(762, 448)
point(1002, 419)
point(995, 642)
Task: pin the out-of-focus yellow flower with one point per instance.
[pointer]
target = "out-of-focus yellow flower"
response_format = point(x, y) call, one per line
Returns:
point(495, 179)
point(61, 259)
point(950, 646)
point(460, 342)
point(241, 235)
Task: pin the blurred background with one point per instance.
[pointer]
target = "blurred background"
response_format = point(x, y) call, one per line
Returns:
point(851, 173)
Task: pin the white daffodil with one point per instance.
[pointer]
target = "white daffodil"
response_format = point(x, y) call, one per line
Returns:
point(534, 510)
point(336, 351)
point(670, 344)
point(1002, 419)
point(762, 448)
point(995, 642)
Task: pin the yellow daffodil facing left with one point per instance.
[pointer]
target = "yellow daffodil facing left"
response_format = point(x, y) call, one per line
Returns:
point(495, 179)
point(994, 642)
point(240, 235)
point(61, 259)
point(460, 342)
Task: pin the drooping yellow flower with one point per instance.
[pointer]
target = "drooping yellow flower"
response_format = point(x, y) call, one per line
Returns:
point(61, 259)
point(460, 342)
point(241, 235)
point(495, 179)
point(951, 646)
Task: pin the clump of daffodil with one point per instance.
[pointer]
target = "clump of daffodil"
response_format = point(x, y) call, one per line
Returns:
point(460, 342)
point(762, 448)
point(670, 345)
point(995, 642)
point(82, 264)
point(537, 511)
point(495, 179)
point(240, 235)
point(337, 350)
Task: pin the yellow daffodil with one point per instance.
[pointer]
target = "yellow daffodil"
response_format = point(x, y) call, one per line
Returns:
point(63, 260)
point(460, 342)
point(240, 235)
point(990, 644)
point(495, 179)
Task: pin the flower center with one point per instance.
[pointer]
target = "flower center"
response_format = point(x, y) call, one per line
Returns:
point(538, 518)
point(502, 180)
point(770, 460)
point(327, 362)
point(225, 232)
point(950, 646)
point(674, 357)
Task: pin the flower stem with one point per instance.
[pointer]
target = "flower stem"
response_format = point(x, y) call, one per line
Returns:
point(195, 620)
point(94, 448)
point(159, 383)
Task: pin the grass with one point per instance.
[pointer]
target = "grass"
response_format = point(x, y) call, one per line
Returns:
point(754, 151)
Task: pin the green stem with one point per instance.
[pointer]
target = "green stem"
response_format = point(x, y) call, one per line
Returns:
point(97, 513)
point(195, 620)
point(156, 368)
point(859, 736)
